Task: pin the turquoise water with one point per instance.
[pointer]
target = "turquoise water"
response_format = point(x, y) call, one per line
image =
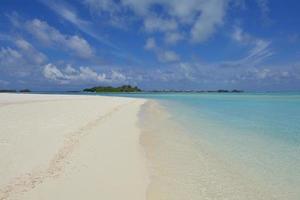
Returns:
point(259, 132)
point(272, 115)
point(256, 133)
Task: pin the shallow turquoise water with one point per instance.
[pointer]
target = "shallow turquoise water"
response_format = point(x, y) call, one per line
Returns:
point(258, 132)
point(275, 115)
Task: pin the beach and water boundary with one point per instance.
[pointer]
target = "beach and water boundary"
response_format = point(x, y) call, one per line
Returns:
point(196, 154)
point(184, 167)
point(176, 157)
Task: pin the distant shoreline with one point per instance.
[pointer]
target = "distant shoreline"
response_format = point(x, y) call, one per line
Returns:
point(132, 92)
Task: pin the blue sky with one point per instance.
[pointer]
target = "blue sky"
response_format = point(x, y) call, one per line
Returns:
point(252, 45)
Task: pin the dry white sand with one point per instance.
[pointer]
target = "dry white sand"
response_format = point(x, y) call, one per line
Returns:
point(70, 147)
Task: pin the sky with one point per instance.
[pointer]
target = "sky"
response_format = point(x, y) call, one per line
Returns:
point(50, 45)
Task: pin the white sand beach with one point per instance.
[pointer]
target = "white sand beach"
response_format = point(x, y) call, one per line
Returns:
point(70, 147)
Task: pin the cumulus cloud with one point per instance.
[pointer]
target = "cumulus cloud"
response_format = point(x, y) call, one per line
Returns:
point(52, 72)
point(212, 14)
point(70, 74)
point(199, 17)
point(204, 75)
point(51, 36)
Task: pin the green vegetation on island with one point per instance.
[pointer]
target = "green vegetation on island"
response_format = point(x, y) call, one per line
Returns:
point(7, 91)
point(123, 88)
point(25, 91)
point(14, 91)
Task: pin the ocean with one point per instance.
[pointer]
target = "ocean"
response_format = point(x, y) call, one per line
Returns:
point(222, 145)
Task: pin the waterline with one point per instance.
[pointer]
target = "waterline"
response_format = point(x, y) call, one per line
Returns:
point(184, 167)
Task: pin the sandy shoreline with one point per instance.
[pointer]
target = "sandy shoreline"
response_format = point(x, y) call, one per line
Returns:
point(184, 166)
point(70, 147)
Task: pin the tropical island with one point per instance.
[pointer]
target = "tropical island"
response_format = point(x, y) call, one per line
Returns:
point(14, 91)
point(123, 88)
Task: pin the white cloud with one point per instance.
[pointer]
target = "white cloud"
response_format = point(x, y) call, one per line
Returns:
point(187, 70)
point(9, 56)
point(216, 76)
point(155, 23)
point(168, 56)
point(51, 36)
point(52, 72)
point(82, 74)
point(70, 70)
point(212, 14)
point(115, 75)
point(270, 74)
point(68, 13)
point(259, 48)
point(150, 44)
point(23, 55)
point(85, 73)
point(208, 76)
point(30, 53)
point(239, 35)
point(200, 18)
point(162, 54)
point(263, 74)
point(173, 37)
point(260, 51)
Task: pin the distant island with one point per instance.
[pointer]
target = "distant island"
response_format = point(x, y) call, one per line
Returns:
point(123, 88)
point(14, 91)
point(7, 91)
